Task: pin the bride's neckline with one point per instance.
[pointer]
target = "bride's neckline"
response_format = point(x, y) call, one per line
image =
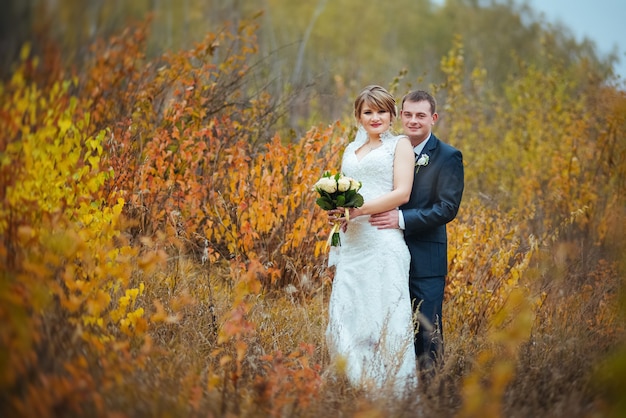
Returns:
point(364, 141)
point(368, 148)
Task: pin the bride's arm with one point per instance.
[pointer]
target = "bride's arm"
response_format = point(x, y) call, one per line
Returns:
point(404, 163)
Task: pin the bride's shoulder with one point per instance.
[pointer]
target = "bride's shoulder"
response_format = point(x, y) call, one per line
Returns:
point(403, 141)
point(394, 138)
point(403, 138)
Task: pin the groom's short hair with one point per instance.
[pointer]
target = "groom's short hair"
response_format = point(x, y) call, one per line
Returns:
point(420, 96)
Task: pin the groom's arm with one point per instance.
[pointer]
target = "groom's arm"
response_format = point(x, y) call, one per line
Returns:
point(447, 200)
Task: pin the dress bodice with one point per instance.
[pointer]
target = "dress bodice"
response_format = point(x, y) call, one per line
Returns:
point(374, 169)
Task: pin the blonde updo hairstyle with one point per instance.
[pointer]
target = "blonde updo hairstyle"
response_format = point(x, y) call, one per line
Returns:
point(377, 98)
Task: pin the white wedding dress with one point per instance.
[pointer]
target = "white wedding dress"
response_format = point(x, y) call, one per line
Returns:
point(370, 331)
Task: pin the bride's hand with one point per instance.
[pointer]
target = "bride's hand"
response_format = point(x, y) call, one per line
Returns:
point(354, 212)
point(346, 214)
point(339, 216)
point(335, 215)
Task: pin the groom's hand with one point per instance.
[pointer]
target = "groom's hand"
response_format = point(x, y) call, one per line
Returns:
point(385, 220)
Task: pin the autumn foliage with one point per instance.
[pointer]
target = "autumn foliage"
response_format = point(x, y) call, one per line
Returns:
point(163, 255)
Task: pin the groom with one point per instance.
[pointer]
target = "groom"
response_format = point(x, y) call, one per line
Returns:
point(435, 200)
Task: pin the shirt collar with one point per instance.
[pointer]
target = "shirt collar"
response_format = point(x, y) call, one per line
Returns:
point(419, 148)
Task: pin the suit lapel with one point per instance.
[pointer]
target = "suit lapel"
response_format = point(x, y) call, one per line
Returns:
point(429, 149)
point(431, 145)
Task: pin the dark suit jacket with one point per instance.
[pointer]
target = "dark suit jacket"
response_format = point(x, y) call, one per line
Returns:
point(435, 200)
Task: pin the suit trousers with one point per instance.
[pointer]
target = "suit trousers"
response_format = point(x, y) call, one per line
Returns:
point(427, 300)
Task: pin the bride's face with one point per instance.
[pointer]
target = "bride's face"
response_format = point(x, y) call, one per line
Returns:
point(375, 121)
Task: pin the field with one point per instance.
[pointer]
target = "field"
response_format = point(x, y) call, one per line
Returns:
point(163, 255)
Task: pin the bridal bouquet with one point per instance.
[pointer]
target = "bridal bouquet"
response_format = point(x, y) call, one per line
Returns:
point(337, 191)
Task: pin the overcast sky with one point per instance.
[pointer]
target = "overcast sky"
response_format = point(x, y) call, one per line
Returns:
point(602, 21)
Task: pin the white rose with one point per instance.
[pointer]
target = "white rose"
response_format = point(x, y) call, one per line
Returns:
point(343, 184)
point(329, 185)
point(423, 159)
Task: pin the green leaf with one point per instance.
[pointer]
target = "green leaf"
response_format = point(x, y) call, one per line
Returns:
point(355, 200)
point(324, 203)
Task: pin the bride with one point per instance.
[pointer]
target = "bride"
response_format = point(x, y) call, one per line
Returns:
point(370, 329)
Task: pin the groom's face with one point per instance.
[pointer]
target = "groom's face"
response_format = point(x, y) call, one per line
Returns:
point(417, 120)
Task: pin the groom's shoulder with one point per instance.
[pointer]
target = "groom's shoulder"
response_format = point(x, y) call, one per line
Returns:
point(445, 148)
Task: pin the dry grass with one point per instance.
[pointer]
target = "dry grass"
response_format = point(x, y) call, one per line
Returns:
point(554, 371)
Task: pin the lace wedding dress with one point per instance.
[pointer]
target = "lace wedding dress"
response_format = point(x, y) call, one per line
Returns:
point(370, 331)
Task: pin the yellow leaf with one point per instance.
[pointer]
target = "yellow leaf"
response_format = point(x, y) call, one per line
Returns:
point(214, 381)
point(64, 125)
point(25, 52)
point(94, 161)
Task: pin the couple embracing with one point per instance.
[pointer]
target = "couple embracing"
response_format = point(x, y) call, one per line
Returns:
point(386, 302)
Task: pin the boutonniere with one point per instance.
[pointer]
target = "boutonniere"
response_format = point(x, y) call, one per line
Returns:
point(421, 161)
